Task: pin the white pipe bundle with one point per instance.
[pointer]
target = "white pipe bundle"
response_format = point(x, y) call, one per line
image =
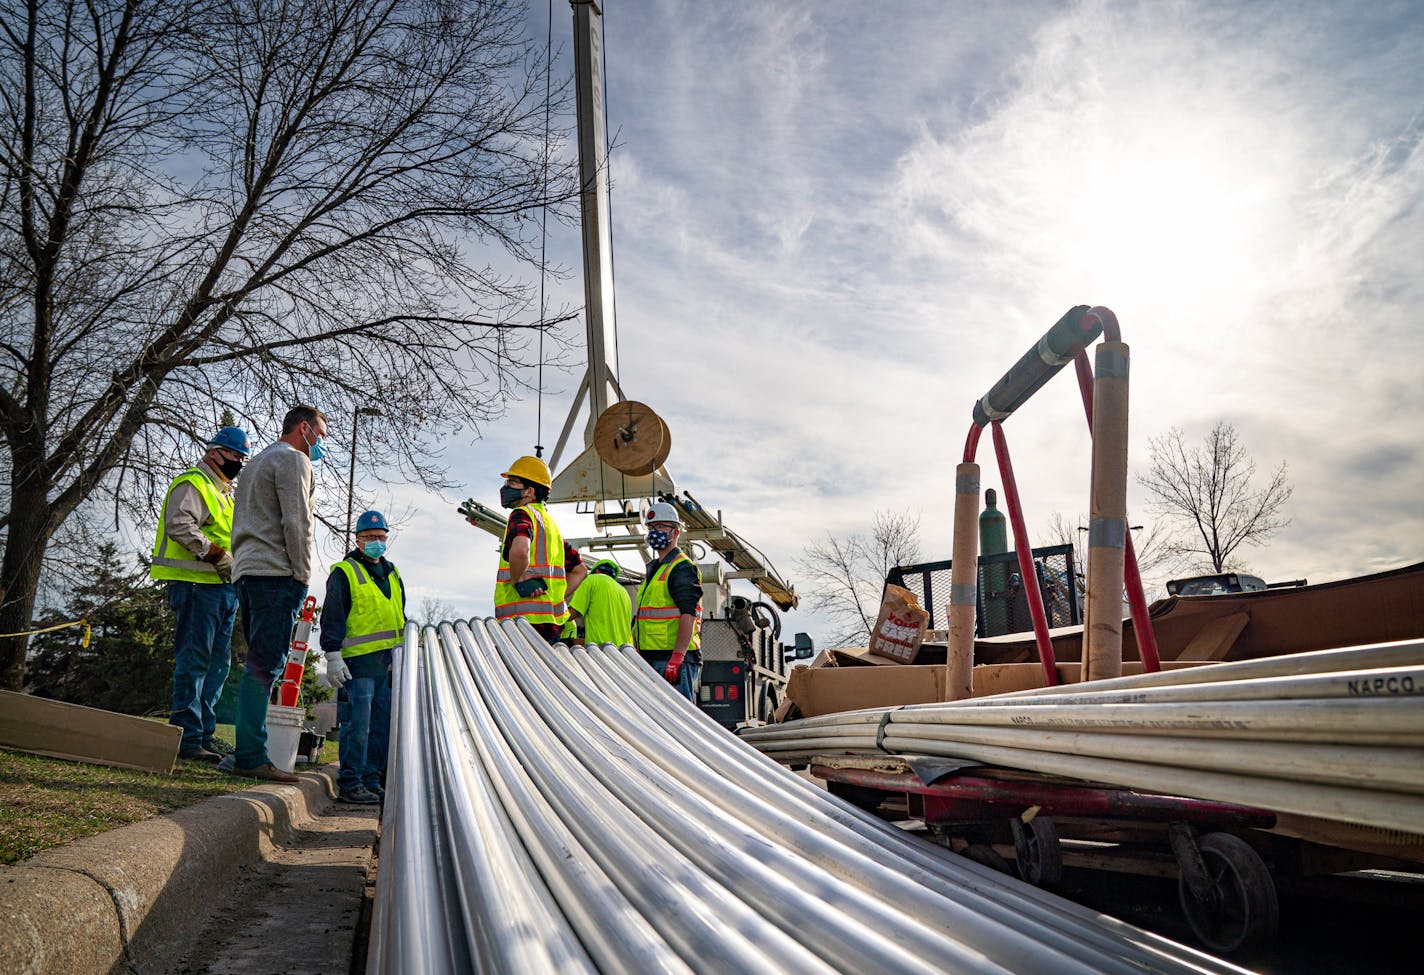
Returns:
point(1336, 734)
point(557, 810)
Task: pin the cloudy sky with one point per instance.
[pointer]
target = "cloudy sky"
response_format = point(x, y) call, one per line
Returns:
point(836, 224)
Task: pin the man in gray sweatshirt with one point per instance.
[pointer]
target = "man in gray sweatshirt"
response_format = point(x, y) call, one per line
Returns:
point(272, 547)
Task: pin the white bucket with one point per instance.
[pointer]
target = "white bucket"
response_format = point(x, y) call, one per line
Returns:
point(284, 734)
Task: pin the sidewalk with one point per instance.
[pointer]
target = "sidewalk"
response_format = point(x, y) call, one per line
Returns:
point(205, 888)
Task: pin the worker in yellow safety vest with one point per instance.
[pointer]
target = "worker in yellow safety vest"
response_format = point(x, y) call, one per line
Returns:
point(362, 622)
point(193, 555)
point(667, 626)
point(538, 570)
point(601, 607)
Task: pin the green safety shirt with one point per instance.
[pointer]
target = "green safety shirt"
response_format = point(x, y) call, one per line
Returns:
point(607, 611)
point(376, 621)
point(546, 558)
point(658, 615)
point(170, 561)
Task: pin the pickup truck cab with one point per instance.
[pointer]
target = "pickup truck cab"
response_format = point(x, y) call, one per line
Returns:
point(1215, 585)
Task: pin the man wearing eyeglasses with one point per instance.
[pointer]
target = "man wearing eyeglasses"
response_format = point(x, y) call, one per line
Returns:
point(192, 554)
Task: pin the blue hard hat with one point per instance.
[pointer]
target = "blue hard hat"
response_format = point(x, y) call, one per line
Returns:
point(231, 438)
point(370, 520)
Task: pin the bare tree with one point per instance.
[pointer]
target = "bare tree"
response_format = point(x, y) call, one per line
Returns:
point(244, 204)
point(847, 575)
point(435, 611)
point(1157, 556)
point(1208, 492)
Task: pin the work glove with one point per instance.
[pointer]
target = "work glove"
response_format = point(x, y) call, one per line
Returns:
point(215, 554)
point(337, 673)
point(674, 665)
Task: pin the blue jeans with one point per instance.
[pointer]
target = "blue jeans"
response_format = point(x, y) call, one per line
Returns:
point(269, 610)
point(202, 653)
point(687, 675)
point(363, 709)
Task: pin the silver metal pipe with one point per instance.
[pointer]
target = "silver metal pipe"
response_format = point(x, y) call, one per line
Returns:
point(987, 892)
point(623, 830)
point(514, 923)
point(413, 922)
point(689, 908)
point(786, 859)
point(616, 934)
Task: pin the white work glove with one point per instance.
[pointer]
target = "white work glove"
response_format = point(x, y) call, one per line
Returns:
point(337, 673)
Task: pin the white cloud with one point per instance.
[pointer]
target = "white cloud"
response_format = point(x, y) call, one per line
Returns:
point(835, 230)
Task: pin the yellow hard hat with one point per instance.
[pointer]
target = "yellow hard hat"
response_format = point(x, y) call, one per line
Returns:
point(532, 470)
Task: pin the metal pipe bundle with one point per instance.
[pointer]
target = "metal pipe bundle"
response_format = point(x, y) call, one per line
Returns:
point(1336, 734)
point(565, 810)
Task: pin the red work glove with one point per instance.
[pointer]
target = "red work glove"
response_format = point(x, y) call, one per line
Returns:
point(674, 665)
point(214, 554)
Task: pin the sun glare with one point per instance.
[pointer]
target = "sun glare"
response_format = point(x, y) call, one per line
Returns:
point(1162, 224)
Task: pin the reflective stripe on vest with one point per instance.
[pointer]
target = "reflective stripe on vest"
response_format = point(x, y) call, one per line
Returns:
point(546, 559)
point(170, 561)
point(375, 620)
point(656, 622)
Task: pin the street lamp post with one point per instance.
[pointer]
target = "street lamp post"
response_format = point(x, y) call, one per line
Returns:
point(356, 415)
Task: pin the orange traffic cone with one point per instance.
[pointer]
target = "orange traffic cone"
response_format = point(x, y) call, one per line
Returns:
point(291, 682)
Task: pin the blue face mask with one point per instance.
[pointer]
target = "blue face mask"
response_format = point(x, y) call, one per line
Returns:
point(373, 550)
point(659, 539)
point(317, 451)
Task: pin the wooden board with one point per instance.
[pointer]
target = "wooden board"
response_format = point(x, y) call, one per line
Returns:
point(1215, 639)
point(80, 734)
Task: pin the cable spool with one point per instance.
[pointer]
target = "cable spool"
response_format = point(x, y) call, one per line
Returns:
point(631, 438)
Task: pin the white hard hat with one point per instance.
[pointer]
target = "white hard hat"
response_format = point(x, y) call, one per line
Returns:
point(661, 511)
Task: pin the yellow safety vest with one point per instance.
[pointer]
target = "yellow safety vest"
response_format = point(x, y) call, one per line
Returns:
point(655, 624)
point(171, 562)
point(546, 558)
point(376, 620)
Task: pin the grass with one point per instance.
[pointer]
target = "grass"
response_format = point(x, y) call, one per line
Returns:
point(47, 802)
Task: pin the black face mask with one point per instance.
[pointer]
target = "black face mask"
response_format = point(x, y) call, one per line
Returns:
point(230, 468)
point(509, 497)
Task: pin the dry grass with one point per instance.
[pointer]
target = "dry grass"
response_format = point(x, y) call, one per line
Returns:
point(47, 802)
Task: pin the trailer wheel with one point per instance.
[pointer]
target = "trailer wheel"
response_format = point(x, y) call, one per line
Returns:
point(1239, 912)
point(1038, 854)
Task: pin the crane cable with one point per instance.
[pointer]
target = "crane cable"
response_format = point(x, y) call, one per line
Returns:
point(544, 235)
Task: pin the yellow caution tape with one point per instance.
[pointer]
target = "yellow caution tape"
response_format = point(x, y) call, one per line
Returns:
point(83, 642)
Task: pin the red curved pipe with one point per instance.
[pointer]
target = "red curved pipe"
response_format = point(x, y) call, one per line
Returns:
point(1108, 320)
point(971, 443)
point(1025, 556)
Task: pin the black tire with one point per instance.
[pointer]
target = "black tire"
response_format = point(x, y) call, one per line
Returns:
point(1038, 854)
point(1241, 912)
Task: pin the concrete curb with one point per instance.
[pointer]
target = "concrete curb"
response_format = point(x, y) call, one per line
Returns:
point(121, 900)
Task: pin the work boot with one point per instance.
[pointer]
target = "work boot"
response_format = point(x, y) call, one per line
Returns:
point(199, 754)
point(358, 797)
point(266, 771)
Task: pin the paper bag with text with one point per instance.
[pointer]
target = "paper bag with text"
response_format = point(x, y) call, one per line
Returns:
point(900, 628)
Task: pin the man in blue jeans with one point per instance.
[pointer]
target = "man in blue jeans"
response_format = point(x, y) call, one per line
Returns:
point(362, 620)
point(272, 539)
point(192, 555)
